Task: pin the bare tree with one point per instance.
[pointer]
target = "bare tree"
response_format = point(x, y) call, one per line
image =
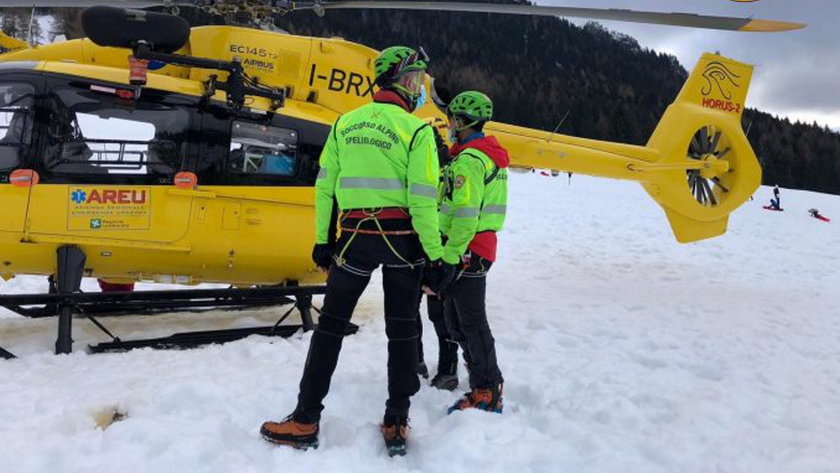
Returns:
point(67, 22)
point(22, 24)
point(12, 23)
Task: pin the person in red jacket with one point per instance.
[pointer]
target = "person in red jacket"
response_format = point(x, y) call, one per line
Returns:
point(473, 209)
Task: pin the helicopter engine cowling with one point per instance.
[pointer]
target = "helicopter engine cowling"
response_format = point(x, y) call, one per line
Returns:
point(698, 165)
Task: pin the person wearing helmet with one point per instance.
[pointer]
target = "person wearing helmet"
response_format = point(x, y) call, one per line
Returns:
point(378, 180)
point(472, 211)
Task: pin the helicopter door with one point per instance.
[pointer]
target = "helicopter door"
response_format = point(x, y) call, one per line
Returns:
point(261, 173)
point(16, 125)
point(107, 162)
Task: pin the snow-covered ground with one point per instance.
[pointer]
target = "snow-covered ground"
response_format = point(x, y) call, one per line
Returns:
point(622, 350)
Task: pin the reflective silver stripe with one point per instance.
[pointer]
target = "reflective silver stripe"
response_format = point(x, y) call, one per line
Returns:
point(445, 208)
point(466, 212)
point(12, 65)
point(371, 183)
point(424, 190)
point(322, 173)
point(496, 209)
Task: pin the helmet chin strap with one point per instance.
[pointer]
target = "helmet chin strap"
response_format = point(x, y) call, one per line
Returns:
point(459, 129)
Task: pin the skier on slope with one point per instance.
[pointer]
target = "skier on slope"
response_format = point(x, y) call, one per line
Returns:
point(776, 203)
point(817, 215)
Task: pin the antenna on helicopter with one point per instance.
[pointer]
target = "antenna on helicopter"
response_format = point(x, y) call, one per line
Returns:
point(557, 128)
point(32, 21)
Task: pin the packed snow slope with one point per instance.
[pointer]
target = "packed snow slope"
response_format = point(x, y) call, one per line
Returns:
point(622, 350)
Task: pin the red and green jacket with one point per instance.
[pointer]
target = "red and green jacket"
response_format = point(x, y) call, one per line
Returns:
point(474, 200)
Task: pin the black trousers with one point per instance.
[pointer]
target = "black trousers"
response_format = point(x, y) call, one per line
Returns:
point(466, 319)
point(447, 347)
point(402, 260)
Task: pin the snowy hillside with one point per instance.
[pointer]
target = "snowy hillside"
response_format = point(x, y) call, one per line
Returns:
point(623, 351)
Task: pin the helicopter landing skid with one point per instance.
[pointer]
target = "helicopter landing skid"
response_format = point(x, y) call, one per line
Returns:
point(102, 304)
point(303, 303)
point(5, 354)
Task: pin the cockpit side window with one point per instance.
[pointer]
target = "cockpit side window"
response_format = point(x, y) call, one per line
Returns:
point(240, 149)
point(262, 150)
point(16, 101)
point(99, 134)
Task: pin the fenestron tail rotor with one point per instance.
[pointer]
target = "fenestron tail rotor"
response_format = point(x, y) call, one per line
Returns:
point(708, 145)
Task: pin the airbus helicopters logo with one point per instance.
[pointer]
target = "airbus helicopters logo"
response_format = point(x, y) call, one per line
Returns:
point(721, 81)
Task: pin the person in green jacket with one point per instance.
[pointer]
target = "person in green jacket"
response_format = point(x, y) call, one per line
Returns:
point(378, 180)
point(472, 211)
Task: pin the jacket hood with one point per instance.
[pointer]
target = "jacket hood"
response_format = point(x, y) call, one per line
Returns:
point(488, 145)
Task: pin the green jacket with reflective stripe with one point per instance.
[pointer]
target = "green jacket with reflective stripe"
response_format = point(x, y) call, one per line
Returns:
point(469, 205)
point(379, 155)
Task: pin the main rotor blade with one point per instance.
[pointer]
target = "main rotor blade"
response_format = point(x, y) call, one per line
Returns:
point(675, 19)
point(89, 3)
point(690, 20)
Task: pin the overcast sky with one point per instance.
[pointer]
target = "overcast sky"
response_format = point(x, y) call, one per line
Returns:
point(797, 73)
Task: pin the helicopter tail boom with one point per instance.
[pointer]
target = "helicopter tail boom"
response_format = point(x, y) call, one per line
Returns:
point(698, 164)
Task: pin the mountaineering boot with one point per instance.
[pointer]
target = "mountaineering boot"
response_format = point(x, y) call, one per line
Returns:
point(290, 432)
point(445, 381)
point(394, 431)
point(447, 375)
point(486, 399)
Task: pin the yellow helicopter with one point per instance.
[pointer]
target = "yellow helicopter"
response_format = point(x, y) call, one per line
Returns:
point(150, 151)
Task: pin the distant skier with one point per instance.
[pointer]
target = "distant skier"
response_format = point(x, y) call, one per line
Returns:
point(816, 214)
point(776, 203)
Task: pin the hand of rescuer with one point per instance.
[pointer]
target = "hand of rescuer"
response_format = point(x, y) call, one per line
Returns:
point(322, 255)
point(437, 276)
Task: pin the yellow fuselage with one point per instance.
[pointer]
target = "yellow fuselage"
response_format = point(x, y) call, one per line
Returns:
point(263, 234)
